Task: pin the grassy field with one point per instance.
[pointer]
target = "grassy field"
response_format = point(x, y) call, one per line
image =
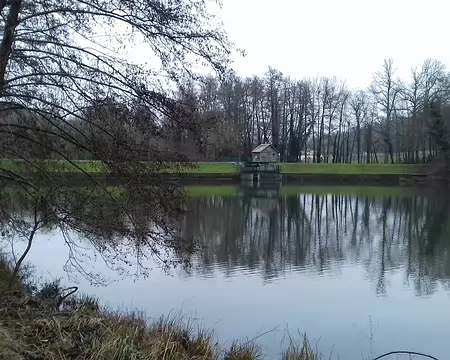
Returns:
point(203, 191)
point(301, 168)
point(98, 167)
point(33, 327)
point(349, 169)
point(213, 168)
point(224, 168)
point(22, 166)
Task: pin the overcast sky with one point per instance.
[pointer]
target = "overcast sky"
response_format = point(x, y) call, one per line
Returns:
point(344, 38)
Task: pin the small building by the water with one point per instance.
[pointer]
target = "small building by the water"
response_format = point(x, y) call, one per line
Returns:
point(265, 153)
point(263, 169)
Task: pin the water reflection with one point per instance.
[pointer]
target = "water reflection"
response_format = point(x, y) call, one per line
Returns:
point(313, 261)
point(130, 229)
point(251, 234)
point(320, 233)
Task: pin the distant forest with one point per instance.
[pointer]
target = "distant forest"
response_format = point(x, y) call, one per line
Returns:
point(320, 119)
point(307, 120)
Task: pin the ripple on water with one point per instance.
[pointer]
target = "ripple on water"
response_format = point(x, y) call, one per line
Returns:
point(321, 264)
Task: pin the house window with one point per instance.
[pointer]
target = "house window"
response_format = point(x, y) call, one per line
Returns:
point(273, 154)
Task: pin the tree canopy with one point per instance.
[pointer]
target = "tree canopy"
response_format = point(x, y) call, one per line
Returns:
point(68, 87)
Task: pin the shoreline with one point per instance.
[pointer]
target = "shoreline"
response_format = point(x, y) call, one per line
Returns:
point(81, 179)
point(86, 172)
point(37, 322)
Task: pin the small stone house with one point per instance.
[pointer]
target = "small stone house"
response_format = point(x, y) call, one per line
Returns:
point(265, 153)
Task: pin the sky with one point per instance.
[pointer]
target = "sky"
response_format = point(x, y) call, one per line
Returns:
point(347, 39)
point(344, 38)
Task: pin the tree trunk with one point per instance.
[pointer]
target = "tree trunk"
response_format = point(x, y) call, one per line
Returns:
point(8, 39)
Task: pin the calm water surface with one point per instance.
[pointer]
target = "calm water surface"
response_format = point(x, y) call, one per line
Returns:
point(361, 274)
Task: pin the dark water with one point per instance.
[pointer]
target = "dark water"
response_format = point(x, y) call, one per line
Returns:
point(361, 274)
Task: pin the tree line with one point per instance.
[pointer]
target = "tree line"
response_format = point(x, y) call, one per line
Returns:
point(212, 118)
point(320, 119)
point(68, 90)
point(63, 98)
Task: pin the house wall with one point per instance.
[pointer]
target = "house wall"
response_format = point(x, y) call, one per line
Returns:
point(268, 155)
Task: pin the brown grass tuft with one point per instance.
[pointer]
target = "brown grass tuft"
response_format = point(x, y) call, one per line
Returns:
point(174, 339)
point(243, 351)
point(33, 327)
point(300, 351)
point(9, 347)
point(7, 281)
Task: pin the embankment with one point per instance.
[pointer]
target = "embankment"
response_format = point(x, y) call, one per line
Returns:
point(34, 327)
point(226, 173)
point(80, 179)
point(355, 179)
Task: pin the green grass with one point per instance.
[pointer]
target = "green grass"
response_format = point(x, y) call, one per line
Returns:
point(223, 168)
point(214, 168)
point(33, 328)
point(93, 166)
point(203, 191)
point(349, 169)
point(23, 166)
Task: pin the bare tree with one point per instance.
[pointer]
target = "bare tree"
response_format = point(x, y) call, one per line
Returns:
point(318, 118)
point(359, 106)
point(386, 90)
point(58, 82)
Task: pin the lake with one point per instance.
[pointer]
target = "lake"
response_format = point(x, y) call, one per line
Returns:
point(361, 272)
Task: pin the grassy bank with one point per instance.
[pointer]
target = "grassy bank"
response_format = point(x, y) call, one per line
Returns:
point(32, 326)
point(350, 169)
point(202, 191)
point(97, 167)
point(223, 168)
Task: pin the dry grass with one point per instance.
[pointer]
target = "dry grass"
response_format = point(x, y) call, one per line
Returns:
point(33, 327)
point(243, 351)
point(300, 350)
point(6, 275)
point(9, 347)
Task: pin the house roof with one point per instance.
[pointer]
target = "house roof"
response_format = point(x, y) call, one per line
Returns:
point(262, 147)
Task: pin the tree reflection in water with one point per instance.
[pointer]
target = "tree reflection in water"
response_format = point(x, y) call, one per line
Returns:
point(130, 229)
point(315, 233)
point(320, 233)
